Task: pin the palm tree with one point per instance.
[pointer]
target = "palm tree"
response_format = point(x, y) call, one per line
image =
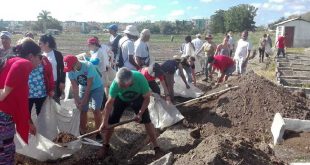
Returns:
point(44, 16)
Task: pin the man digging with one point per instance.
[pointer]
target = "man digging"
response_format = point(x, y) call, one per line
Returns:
point(129, 89)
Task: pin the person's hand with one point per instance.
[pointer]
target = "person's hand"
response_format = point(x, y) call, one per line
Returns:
point(62, 87)
point(168, 100)
point(32, 129)
point(138, 117)
point(78, 104)
point(51, 93)
point(187, 86)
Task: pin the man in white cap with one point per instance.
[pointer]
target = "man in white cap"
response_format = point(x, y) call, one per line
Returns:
point(197, 42)
point(127, 49)
point(6, 49)
point(142, 53)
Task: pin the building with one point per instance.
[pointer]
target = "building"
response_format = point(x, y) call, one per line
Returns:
point(297, 32)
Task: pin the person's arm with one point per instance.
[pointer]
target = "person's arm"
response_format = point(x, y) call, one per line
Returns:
point(146, 101)
point(5, 92)
point(107, 110)
point(217, 51)
point(75, 90)
point(183, 76)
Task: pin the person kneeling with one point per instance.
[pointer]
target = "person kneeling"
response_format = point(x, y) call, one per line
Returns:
point(222, 63)
point(128, 89)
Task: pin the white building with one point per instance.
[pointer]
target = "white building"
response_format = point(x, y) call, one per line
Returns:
point(297, 32)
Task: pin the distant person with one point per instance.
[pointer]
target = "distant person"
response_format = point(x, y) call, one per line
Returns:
point(30, 35)
point(142, 53)
point(269, 40)
point(7, 49)
point(191, 62)
point(262, 47)
point(198, 44)
point(209, 48)
point(128, 90)
point(268, 47)
point(242, 53)
point(224, 47)
point(14, 113)
point(231, 43)
point(153, 72)
point(86, 86)
point(171, 38)
point(127, 49)
point(189, 48)
point(281, 45)
point(170, 67)
point(224, 64)
point(41, 84)
point(114, 39)
point(48, 45)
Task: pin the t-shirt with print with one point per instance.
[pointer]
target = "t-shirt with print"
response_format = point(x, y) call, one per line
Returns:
point(139, 87)
point(128, 48)
point(209, 48)
point(142, 50)
point(242, 49)
point(37, 88)
point(87, 71)
point(145, 73)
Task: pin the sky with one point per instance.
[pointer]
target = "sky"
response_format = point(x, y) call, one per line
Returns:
point(141, 10)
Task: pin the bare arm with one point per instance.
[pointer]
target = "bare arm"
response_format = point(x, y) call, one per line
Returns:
point(107, 110)
point(217, 51)
point(164, 85)
point(87, 91)
point(5, 92)
point(145, 103)
point(75, 89)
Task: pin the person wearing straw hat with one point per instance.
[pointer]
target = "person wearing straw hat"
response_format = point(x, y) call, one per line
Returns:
point(127, 49)
point(209, 48)
point(6, 49)
point(142, 53)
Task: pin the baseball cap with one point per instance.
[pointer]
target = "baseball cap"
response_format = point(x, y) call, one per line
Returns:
point(155, 70)
point(93, 41)
point(6, 34)
point(69, 62)
point(113, 27)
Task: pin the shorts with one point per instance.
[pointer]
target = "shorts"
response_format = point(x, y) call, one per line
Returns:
point(230, 70)
point(96, 98)
point(120, 106)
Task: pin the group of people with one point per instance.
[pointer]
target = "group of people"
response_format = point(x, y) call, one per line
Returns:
point(32, 71)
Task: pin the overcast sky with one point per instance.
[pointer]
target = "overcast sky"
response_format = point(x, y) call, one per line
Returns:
point(140, 10)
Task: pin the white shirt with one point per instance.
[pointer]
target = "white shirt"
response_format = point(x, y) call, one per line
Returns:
point(103, 57)
point(52, 59)
point(242, 49)
point(189, 50)
point(231, 42)
point(142, 50)
point(128, 48)
point(197, 43)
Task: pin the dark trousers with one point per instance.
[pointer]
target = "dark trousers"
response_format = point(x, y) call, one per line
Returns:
point(135, 105)
point(57, 93)
point(261, 54)
point(38, 103)
point(154, 87)
point(281, 50)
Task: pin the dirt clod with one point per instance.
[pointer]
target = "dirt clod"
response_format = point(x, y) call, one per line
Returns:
point(64, 137)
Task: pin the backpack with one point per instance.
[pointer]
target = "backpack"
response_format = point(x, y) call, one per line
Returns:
point(119, 57)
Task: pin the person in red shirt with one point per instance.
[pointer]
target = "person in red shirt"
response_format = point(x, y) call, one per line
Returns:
point(222, 63)
point(153, 72)
point(281, 45)
point(14, 76)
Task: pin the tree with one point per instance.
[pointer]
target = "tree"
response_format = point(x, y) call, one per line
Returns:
point(241, 17)
point(217, 22)
point(44, 16)
point(154, 28)
point(166, 28)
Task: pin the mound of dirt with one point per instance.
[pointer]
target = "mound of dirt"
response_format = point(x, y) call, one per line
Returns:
point(226, 149)
point(246, 111)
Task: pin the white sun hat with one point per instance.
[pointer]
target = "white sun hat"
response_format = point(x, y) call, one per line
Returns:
point(132, 30)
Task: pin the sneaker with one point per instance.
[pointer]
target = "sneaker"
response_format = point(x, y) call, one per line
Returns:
point(99, 137)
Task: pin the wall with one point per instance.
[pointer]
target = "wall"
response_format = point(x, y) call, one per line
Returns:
point(302, 35)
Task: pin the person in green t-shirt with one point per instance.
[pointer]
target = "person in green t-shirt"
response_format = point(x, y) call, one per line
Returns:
point(128, 89)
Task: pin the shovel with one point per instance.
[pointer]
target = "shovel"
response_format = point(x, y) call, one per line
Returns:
point(111, 126)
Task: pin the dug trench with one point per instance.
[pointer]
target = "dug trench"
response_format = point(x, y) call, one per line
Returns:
point(233, 128)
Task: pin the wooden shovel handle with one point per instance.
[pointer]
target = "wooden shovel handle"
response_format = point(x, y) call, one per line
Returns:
point(111, 126)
